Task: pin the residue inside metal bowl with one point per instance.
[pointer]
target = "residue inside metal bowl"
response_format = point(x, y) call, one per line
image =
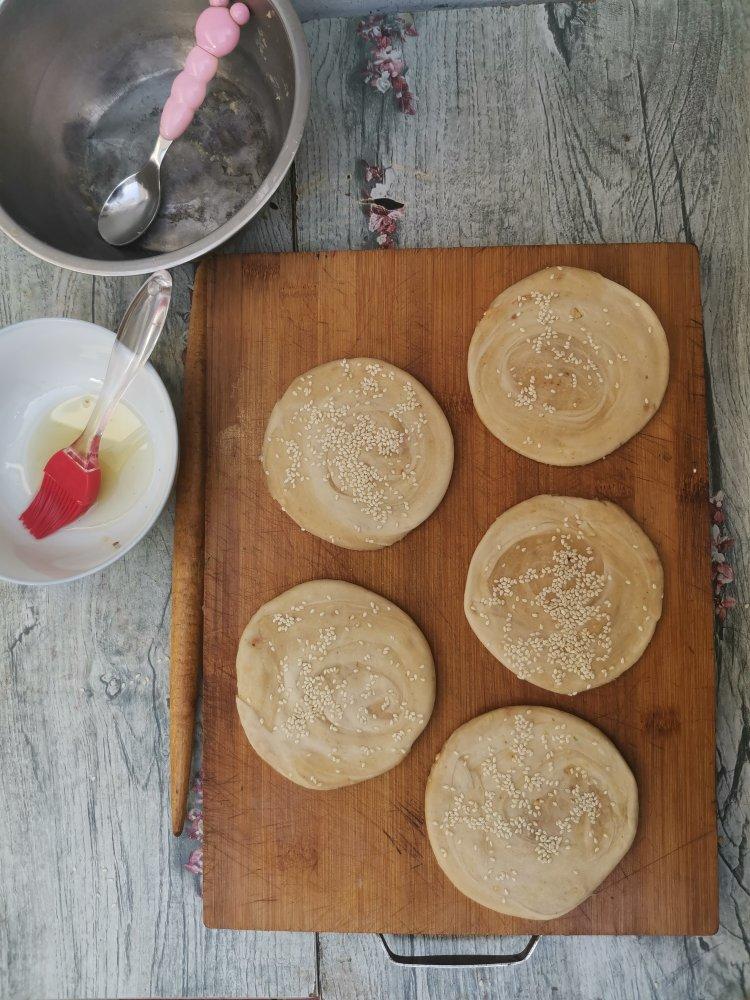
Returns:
point(88, 79)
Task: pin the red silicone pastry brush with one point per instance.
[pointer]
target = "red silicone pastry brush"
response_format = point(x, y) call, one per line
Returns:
point(72, 476)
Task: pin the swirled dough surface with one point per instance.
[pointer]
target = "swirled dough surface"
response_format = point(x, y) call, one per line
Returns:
point(565, 592)
point(529, 809)
point(334, 683)
point(358, 452)
point(565, 366)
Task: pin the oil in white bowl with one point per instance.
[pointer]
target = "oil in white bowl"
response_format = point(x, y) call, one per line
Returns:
point(126, 455)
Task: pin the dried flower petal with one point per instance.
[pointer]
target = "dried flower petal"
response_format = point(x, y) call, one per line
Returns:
point(194, 863)
point(722, 573)
point(385, 68)
point(383, 213)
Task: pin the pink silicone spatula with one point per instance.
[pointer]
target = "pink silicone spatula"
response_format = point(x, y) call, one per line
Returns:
point(131, 206)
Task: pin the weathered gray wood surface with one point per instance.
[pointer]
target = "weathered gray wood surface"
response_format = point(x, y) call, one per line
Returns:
point(617, 121)
point(95, 901)
point(310, 10)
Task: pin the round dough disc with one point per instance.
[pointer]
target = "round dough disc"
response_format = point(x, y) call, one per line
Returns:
point(358, 452)
point(565, 592)
point(529, 809)
point(565, 366)
point(334, 684)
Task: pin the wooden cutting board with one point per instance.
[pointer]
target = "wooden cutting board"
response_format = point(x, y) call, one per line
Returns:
point(280, 857)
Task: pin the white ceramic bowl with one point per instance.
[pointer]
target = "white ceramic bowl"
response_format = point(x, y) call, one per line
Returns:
point(43, 363)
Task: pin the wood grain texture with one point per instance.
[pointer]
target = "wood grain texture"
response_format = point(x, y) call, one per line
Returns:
point(95, 900)
point(512, 103)
point(309, 10)
point(186, 649)
point(619, 121)
point(281, 857)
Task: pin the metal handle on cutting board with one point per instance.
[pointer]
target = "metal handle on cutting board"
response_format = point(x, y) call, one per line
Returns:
point(460, 961)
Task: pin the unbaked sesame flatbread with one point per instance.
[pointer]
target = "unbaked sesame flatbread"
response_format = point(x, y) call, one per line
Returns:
point(529, 809)
point(358, 452)
point(565, 366)
point(565, 592)
point(334, 683)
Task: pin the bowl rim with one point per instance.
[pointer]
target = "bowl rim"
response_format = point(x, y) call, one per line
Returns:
point(277, 173)
point(103, 334)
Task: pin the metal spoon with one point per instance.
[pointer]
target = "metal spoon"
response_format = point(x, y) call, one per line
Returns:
point(131, 206)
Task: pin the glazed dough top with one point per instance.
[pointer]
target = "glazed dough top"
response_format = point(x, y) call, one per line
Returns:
point(334, 683)
point(529, 809)
point(358, 452)
point(565, 366)
point(565, 592)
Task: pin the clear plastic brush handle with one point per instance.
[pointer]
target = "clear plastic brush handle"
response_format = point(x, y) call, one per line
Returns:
point(137, 335)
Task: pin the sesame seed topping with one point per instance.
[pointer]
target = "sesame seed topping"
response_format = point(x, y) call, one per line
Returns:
point(358, 434)
point(577, 628)
point(541, 596)
point(528, 794)
point(329, 695)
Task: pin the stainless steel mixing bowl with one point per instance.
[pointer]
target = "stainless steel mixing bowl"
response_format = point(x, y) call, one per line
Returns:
point(83, 84)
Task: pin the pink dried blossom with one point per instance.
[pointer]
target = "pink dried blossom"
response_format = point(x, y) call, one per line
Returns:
point(385, 68)
point(194, 863)
point(383, 212)
point(373, 174)
point(384, 223)
point(722, 606)
point(722, 573)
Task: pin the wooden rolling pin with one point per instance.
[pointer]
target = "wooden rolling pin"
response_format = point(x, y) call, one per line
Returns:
point(187, 570)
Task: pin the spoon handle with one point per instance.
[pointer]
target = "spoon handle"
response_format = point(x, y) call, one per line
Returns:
point(217, 32)
point(137, 335)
